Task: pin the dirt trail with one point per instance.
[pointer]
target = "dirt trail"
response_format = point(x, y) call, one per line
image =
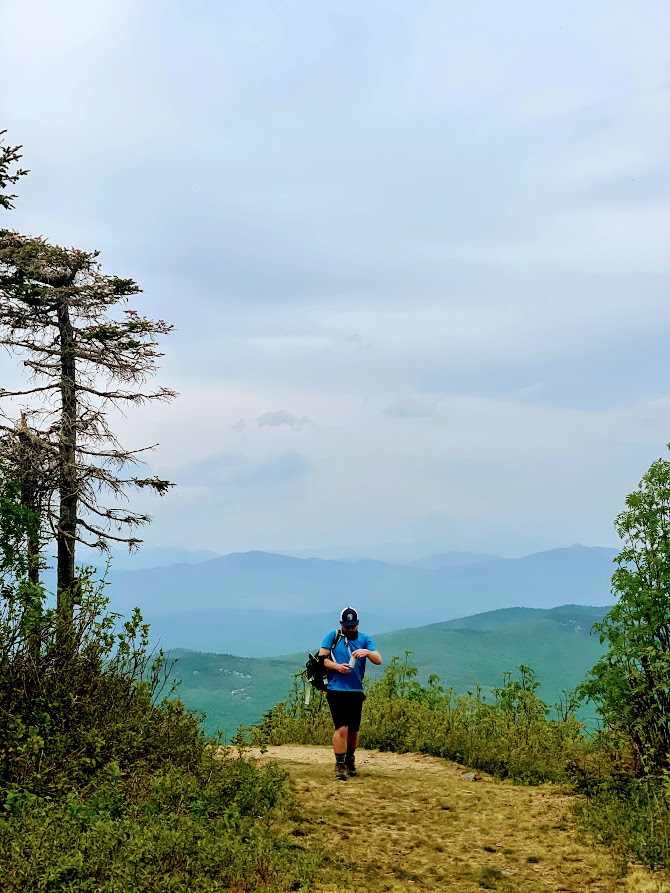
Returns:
point(411, 822)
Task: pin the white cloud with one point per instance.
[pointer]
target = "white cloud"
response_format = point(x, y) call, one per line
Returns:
point(412, 407)
point(281, 417)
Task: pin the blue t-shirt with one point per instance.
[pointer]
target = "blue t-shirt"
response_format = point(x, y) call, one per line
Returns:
point(353, 680)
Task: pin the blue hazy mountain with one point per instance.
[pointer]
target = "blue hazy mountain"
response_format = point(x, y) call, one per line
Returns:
point(152, 557)
point(454, 559)
point(261, 604)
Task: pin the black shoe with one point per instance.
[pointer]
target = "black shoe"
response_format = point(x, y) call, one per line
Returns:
point(351, 768)
point(340, 772)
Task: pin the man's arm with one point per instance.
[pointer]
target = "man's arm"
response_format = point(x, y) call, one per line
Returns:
point(373, 656)
point(331, 664)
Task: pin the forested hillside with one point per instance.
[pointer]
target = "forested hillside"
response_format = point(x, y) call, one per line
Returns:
point(464, 653)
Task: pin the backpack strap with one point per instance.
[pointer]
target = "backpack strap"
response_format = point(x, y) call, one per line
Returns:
point(336, 639)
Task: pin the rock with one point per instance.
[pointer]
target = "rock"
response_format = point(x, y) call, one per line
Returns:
point(469, 776)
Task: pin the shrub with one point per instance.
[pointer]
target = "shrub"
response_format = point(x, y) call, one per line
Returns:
point(206, 829)
point(632, 816)
point(105, 784)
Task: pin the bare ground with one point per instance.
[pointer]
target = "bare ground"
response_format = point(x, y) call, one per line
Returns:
point(413, 822)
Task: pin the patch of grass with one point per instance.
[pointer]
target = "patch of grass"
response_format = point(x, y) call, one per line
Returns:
point(404, 875)
point(441, 855)
point(489, 877)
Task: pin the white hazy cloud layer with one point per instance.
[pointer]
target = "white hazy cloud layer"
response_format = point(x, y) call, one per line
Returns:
point(416, 253)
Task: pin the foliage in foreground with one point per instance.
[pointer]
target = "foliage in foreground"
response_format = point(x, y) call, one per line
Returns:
point(210, 826)
point(102, 786)
point(630, 684)
point(105, 787)
point(631, 815)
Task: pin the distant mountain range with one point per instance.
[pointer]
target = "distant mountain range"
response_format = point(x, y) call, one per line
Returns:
point(262, 604)
point(466, 652)
point(454, 559)
point(149, 557)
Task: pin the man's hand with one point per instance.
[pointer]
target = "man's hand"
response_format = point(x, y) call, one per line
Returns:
point(333, 665)
point(361, 652)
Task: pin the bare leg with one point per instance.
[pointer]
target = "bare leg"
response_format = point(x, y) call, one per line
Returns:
point(340, 738)
point(352, 740)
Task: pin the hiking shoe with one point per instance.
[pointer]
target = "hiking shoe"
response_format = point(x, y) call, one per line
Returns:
point(340, 772)
point(351, 768)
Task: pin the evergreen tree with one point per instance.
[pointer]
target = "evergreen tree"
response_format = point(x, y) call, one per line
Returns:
point(85, 352)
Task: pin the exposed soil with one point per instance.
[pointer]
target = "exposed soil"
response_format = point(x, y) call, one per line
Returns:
point(365, 759)
point(410, 822)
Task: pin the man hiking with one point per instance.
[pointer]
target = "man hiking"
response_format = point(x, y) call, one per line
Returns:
point(345, 663)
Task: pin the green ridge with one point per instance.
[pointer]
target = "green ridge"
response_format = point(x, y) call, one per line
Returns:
point(555, 642)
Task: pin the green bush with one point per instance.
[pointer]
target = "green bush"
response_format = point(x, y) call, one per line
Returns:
point(632, 816)
point(105, 785)
point(210, 828)
point(107, 788)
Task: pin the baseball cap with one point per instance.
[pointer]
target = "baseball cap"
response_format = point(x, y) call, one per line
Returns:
point(349, 617)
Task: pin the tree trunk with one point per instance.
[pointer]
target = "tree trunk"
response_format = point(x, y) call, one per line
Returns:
point(29, 466)
point(67, 521)
point(32, 542)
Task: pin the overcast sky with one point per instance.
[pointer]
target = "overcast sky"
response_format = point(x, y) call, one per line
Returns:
point(416, 254)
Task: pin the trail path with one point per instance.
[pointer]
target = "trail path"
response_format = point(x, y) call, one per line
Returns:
point(413, 822)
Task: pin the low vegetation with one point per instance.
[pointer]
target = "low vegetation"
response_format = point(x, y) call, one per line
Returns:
point(106, 784)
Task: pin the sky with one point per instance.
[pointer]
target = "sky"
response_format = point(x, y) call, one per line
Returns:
point(416, 255)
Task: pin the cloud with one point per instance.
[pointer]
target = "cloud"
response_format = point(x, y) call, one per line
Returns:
point(281, 417)
point(238, 471)
point(284, 470)
point(239, 425)
point(415, 407)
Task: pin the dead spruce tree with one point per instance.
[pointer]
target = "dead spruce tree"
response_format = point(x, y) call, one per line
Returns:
point(85, 353)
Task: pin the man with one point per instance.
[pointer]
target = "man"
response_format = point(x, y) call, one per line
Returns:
point(345, 664)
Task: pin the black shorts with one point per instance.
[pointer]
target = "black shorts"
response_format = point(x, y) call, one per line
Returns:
point(345, 708)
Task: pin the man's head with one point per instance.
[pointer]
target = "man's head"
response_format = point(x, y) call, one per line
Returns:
point(349, 622)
